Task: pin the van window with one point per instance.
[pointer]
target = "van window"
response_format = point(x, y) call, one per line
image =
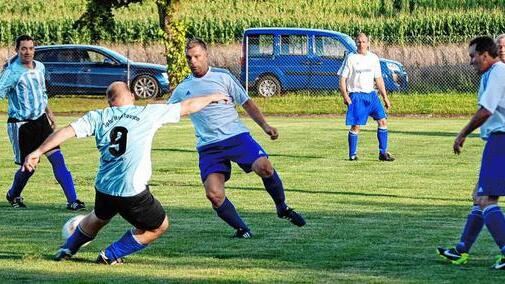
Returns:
point(329, 47)
point(261, 45)
point(293, 45)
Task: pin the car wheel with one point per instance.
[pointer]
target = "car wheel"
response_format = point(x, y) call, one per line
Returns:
point(145, 87)
point(268, 86)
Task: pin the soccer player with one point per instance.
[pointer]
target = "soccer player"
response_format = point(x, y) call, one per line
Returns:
point(500, 41)
point(223, 138)
point(123, 134)
point(30, 121)
point(491, 184)
point(358, 74)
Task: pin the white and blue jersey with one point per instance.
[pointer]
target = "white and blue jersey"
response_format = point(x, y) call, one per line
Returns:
point(124, 137)
point(492, 98)
point(216, 122)
point(25, 89)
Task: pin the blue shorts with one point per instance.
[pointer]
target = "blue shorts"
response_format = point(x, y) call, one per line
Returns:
point(364, 105)
point(492, 169)
point(216, 157)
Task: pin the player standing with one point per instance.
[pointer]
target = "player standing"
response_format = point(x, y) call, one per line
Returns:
point(358, 74)
point(123, 134)
point(490, 118)
point(223, 138)
point(30, 121)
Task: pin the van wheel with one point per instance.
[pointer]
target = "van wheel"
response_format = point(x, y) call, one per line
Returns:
point(268, 86)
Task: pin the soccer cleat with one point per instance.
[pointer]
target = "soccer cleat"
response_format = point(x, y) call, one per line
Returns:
point(353, 158)
point(386, 157)
point(62, 254)
point(103, 259)
point(76, 205)
point(16, 202)
point(242, 234)
point(292, 216)
point(500, 262)
point(453, 255)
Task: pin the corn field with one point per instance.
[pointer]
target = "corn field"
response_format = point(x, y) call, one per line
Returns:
point(223, 21)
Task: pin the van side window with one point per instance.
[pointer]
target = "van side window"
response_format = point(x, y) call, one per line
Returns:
point(293, 45)
point(329, 47)
point(261, 45)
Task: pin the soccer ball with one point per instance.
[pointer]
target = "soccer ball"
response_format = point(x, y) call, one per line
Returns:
point(70, 226)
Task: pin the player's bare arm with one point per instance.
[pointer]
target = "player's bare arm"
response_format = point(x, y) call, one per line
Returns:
point(475, 122)
point(255, 113)
point(343, 91)
point(52, 141)
point(51, 117)
point(197, 103)
point(382, 91)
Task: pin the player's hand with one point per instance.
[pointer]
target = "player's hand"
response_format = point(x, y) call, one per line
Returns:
point(458, 144)
point(387, 103)
point(31, 162)
point(271, 131)
point(347, 100)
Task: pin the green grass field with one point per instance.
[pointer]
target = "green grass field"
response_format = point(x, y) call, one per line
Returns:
point(368, 221)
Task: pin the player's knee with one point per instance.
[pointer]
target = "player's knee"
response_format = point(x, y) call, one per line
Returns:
point(485, 201)
point(216, 197)
point(164, 226)
point(382, 123)
point(355, 129)
point(263, 168)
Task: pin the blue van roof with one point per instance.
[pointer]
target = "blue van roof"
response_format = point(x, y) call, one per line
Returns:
point(292, 31)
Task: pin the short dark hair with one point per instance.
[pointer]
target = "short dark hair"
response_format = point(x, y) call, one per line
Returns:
point(194, 42)
point(483, 44)
point(21, 38)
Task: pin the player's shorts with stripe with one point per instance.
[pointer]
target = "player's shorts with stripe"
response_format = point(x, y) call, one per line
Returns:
point(492, 169)
point(364, 105)
point(217, 157)
point(143, 211)
point(27, 135)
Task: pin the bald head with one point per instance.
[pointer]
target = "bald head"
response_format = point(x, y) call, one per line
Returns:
point(362, 43)
point(118, 94)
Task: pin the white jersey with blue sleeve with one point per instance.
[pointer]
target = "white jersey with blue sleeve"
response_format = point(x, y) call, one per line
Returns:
point(492, 98)
point(124, 137)
point(216, 122)
point(25, 90)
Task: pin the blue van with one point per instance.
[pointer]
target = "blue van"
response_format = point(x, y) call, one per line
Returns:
point(290, 59)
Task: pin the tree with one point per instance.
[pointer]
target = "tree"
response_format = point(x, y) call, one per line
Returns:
point(98, 21)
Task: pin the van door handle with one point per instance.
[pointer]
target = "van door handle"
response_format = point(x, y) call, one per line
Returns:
point(318, 63)
point(306, 62)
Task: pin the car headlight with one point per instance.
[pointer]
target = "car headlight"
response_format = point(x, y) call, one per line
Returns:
point(165, 75)
point(393, 67)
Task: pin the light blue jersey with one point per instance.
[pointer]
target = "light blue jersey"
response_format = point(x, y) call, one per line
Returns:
point(124, 137)
point(25, 89)
point(216, 122)
point(492, 98)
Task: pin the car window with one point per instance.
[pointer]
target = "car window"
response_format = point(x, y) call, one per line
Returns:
point(293, 45)
point(329, 47)
point(68, 56)
point(261, 45)
point(96, 57)
point(46, 56)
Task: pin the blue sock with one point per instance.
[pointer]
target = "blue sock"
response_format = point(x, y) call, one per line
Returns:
point(473, 226)
point(126, 245)
point(62, 175)
point(495, 223)
point(76, 240)
point(229, 214)
point(274, 187)
point(352, 138)
point(20, 180)
point(382, 136)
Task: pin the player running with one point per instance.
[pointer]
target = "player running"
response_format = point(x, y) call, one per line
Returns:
point(123, 134)
point(358, 74)
point(223, 138)
point(491, 184)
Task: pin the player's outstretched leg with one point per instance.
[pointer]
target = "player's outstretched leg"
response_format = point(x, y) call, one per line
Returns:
point(64, 178)
point(382, 137)
point(495, 223)
point(84, 233)
point(132, 241)
point(19, 183)
point(352, 139)
point(274, 187)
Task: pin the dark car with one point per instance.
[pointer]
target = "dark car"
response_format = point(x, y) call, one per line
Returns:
point(89, 69)
point(282, 59)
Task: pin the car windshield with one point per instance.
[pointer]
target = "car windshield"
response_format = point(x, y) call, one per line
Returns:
point(118, 56)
